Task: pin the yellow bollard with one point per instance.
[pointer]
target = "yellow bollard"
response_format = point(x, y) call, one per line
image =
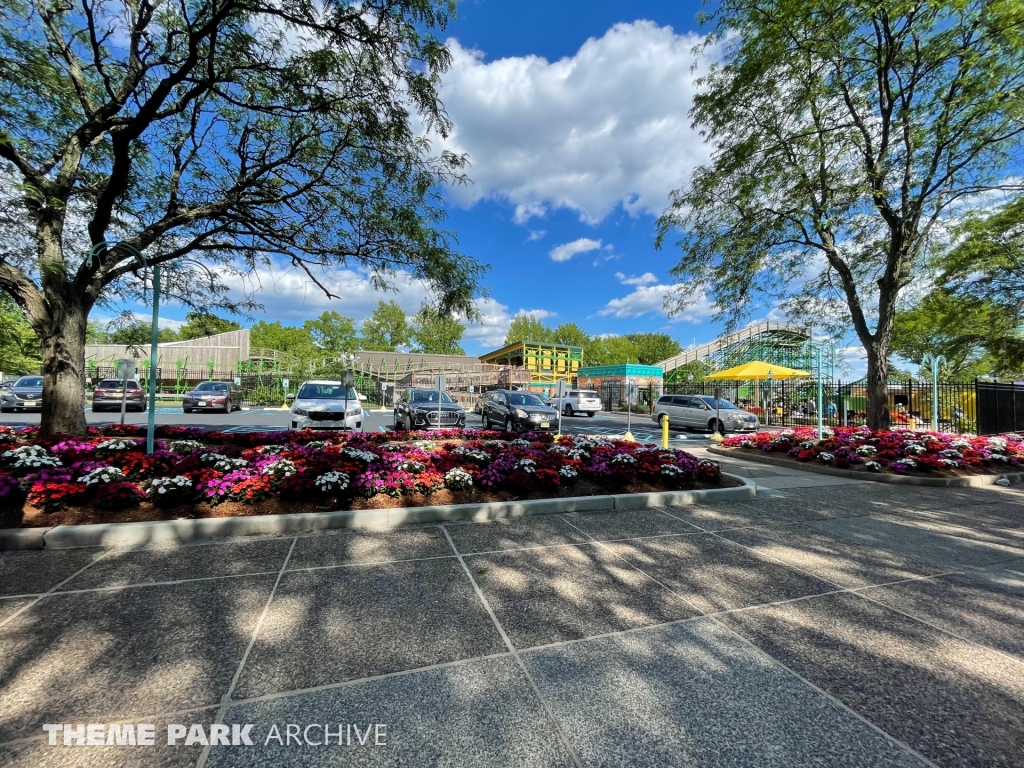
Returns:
point(664, 431)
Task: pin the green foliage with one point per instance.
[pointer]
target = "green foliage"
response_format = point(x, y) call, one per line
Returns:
point(987, 262)
point(332, 333)
point(291, 340)
point(138, 334)
point(386, 329)
point(976, 336)
point(200, 323)
point(527, 328)
point(843, 131)
point(437, 334)
point(692, 372)
point(570, 333)
point(19, 349)
point(609, 350)
point(652, 348)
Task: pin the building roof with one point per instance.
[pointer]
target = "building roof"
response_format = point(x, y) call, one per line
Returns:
point(623, 369)
point(511, 347)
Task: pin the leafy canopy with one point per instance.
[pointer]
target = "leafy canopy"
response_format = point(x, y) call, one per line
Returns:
point(386, 329)
point(436, 334)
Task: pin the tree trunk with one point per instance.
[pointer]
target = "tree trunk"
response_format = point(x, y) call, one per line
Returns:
point(63, 347)
point(878, 386)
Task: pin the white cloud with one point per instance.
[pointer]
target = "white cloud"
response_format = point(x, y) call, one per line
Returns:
point(536, 234)
point(566, 251)
point(651, 298)
point(605, 127)
point(537, 314)
point(851, 361)
point(490, 331)
point(645, 279)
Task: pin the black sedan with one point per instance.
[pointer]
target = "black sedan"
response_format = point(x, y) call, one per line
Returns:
point(428, 409)
point(517, 411)
point(26, 394)
point(224, 396)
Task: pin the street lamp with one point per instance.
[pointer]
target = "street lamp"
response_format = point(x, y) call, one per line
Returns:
point(935, 361)
point(155, 331)
point(771, 403)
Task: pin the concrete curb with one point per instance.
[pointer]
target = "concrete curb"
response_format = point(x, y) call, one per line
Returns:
point(974, 481)
point(22, 538)
point(128, 534)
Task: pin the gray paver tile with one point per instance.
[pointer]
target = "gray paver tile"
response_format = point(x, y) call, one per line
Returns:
point(482, 714)
point(628, 524)
point(713, 574)
point(11, 605)
point(985, 606)
point(722, 516)
point(36, 571)
point(564, 593)
point(957, 703)
point(348, 547)
point(329, 626)
point(195, 561)
point(844, 563)
point(517, 533)
point(117, 654)
point(906, 539)
point(982, 517)
point(694, 694)
point(1010, 537)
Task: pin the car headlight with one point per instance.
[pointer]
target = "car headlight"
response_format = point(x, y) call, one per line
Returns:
point(300, 411)
point(521, 413)
point(355, 410)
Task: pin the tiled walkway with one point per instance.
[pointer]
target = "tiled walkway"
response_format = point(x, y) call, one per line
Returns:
point(850, 624)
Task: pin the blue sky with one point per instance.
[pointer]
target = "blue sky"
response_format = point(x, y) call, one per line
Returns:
point(574, 118)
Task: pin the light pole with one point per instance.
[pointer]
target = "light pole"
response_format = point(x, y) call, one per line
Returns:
point(935, 361)
point(155, 331)
point(818, 372)
point(771, 403)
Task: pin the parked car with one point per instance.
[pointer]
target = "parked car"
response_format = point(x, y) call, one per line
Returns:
point(518, 411)
point(577, 401)
point(699, 412)
point(428, 409)
point(327, 405)
point(107, 396)
point(26, 394)
point(224, 396)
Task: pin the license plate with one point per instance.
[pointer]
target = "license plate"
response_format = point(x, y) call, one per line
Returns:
point(30, 403)
point(201, 404)
point(545, 424)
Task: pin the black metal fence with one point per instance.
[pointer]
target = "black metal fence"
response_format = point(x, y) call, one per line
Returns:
point(984, 408)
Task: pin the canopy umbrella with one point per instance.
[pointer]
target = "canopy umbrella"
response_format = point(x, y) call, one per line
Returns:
point(757, 370)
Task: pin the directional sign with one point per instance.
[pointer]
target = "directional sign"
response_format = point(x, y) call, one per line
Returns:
point(125, 369)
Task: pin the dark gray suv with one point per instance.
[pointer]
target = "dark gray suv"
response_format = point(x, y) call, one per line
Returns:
point(518, 411)
point(26, 394)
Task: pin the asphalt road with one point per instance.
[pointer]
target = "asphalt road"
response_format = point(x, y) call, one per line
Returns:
point(265, 419)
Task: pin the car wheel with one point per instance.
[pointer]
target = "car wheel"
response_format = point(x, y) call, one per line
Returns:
point(662, 419)
point(509, 426)
point(590, 414)
point(721, 427)
point(567, 410)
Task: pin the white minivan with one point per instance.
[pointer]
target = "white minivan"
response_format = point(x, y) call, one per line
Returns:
point(577, 401)
point(701, 412)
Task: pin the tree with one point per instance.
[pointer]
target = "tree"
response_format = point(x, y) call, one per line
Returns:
point(976, 336)
point(609, 350)
point(289, 339)
point(200, 323)
point(526, 328)
point(386, 329)
point(842, 132)
point(571, 334)
point(242, 134)
point(332, 333)
point(652, 348)
point(987, 262)
point(436, 334)
point(138, 333)
point(19, 352)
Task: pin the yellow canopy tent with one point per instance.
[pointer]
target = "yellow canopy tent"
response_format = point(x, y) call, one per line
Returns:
point(757, 370)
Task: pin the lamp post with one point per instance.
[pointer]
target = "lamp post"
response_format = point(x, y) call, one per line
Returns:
point(771, 403)
point(818, 373)
point(155, 331)
point(935, 361)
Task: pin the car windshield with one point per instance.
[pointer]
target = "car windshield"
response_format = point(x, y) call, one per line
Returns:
point(29, 381)
point(327, 392)
point(428, 396)
point(587, 393)
point(116, 384)
point(725, 405)
point(519, 398)
point(212, 386)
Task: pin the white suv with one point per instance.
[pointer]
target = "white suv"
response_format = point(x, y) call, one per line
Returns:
point(577, 401)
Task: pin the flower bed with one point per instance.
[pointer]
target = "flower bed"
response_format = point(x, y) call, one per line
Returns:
point(900, 452)
point(108, 477)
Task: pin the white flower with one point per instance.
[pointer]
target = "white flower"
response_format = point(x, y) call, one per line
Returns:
point(826, 458)
point(30, 457)
point(578, 453)
point(183, 447)
point(270, 450)
point(161, 485)
point(960, 443)
point(227, 465)
point(458, 479)
point(622, 458)
point(873, 466)
point(412, 467)
point(527, 465)
point(867, 450)
point(117, 444)
point(332, 482)
point(567, 472)
point(519, 443)
point(671, 470)
point(367, 456)
point(280, 468)
point(212, 458)
point(103, 475)
point(316, 444)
